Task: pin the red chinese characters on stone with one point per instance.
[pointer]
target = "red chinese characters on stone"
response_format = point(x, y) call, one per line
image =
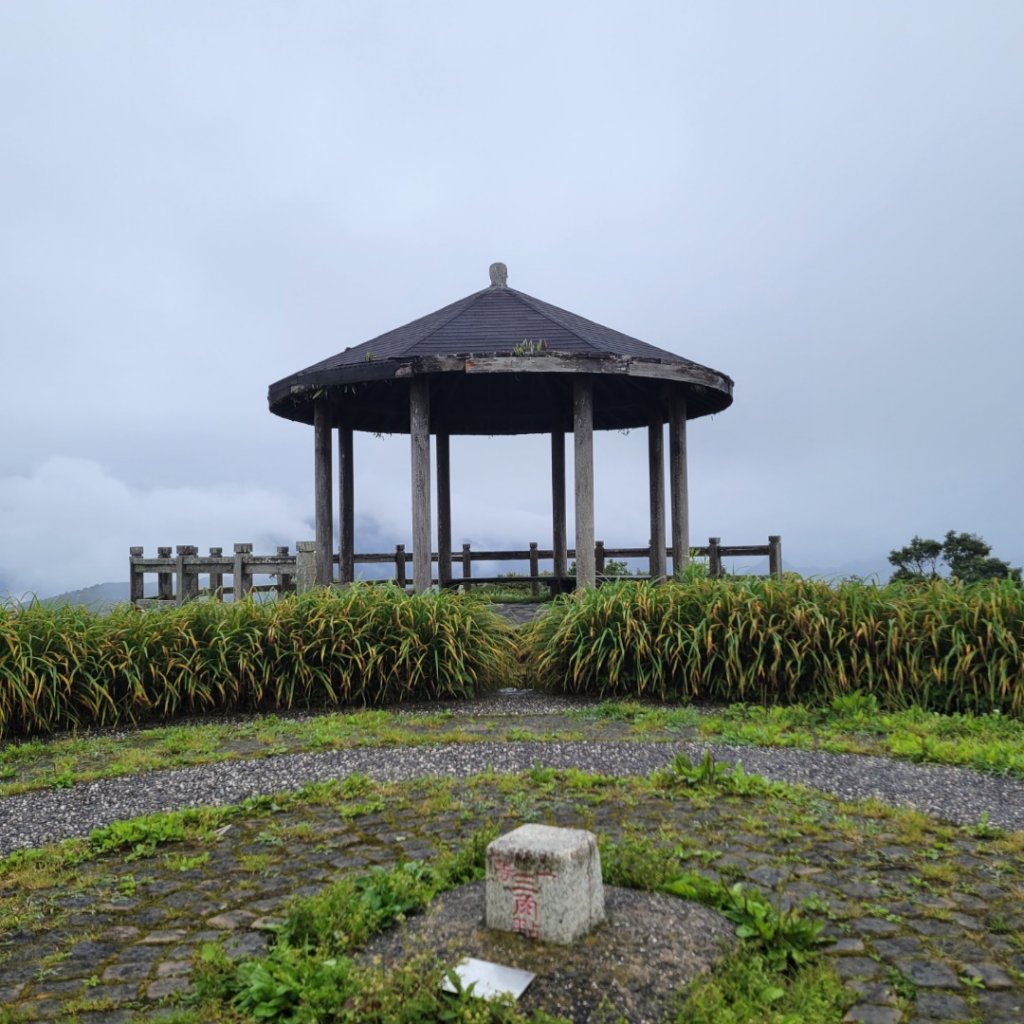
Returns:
point(525, 888)
point(504, 869)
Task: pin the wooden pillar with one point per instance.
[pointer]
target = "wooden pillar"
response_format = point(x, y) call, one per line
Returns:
point(677, 485)
point(241, 573)
point(136, 578)
point(164, 580)
point(559, 542)
point(419, 434)
point(284, 579)
point(187, 576)
point(400, 565)
point(775, 556)
point(583, 466)
point(715, 557)
point(305, 566)
point(467, 564)
point(217, 578)
point(322, 488)
point(656, 473)
point(534, 569)
point(346, 507)
point(444, 510)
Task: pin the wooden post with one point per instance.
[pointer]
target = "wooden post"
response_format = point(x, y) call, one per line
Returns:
point(714, 557)
point(444, 510)
point(534, 569)
point(217, 578)
point(400, 565)
point(346, 507)
point(188, 578)
point(775, 556)
point(583, 466)
point(136, 578)
point(677, 485)
point(322, 488)
point(240, 574)
point(284, 579)
point(305, 566)
point(599, 557)
point(559, 542)
point(467, 564)
point(164, 580)
point(657, 560)
point(419, 435)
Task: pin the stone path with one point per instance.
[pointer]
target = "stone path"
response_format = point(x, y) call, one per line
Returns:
point(927, 919)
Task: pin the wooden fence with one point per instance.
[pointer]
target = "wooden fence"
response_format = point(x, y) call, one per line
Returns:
point(178, 575)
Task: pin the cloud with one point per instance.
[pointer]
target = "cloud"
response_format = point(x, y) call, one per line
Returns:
point(70, 522)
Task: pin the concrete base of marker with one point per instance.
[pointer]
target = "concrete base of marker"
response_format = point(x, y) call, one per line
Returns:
point(545, 883)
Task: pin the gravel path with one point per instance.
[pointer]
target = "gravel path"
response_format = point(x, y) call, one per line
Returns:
point(958, 795)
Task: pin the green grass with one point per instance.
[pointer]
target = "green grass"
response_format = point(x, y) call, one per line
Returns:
point(744, 989)
point(854, 724)
point(991, 743)
point(69, 668)
point(942, 647)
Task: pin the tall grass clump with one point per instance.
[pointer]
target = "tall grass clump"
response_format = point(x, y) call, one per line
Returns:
point(940, 646)
point(70, 668)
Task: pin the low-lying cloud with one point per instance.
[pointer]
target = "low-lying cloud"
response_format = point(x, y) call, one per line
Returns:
point(70, 523)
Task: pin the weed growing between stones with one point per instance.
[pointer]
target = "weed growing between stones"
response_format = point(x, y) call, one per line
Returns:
point(784, 938)
point(745, 989)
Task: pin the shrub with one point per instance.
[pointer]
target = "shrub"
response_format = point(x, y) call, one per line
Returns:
point(944, 646)
point(70, 668)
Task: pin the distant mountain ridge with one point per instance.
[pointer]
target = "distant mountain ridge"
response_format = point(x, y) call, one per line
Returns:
point(100, 597)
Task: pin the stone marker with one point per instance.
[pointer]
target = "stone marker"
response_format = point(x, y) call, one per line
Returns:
point(545, 883)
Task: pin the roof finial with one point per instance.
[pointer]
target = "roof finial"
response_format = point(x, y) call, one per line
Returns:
point(499, 275)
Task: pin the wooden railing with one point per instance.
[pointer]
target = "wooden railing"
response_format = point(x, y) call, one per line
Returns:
point(178, 574)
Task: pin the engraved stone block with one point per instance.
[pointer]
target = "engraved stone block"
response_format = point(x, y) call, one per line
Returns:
point(544, 883)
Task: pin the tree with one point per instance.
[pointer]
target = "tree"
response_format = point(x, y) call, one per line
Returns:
point(963, 556)
point(917, 561)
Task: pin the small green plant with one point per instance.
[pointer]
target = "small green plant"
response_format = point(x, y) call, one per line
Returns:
point(903, 985)
point(182, 862)
point(746, 989)
point(785, 938)
point(528, 347)
point(983, 830)
point(64, 779)
point(139, 836)
point(637, 862)
point(712, 774)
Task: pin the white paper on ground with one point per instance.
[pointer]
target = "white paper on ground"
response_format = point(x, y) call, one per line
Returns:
point(491, 979)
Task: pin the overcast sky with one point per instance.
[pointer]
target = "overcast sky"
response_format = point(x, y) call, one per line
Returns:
point(824, 200)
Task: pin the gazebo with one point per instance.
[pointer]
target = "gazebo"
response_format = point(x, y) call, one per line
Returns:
point(500, 361)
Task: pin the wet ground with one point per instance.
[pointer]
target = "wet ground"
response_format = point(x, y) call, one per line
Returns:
point(927, 918)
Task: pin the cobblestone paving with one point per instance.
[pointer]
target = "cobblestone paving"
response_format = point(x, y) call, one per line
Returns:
point(927, 919)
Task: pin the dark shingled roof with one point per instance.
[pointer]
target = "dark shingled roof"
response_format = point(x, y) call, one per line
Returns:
point(500, 361)
point(493, 322)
